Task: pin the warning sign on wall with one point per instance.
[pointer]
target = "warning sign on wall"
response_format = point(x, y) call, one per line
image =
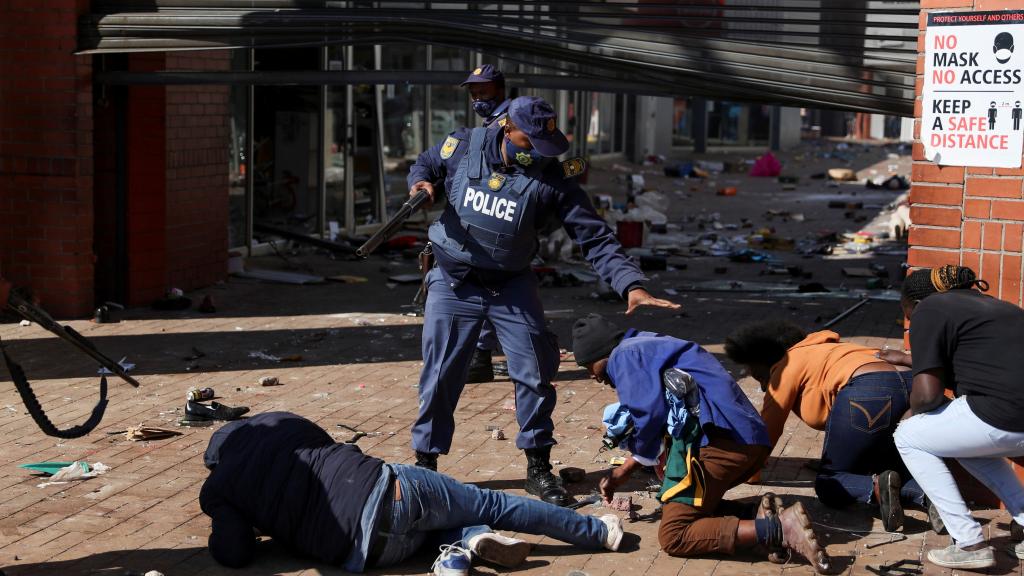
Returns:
point(974, 89)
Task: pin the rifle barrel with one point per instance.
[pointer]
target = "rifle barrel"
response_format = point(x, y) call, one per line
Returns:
point(391, 226)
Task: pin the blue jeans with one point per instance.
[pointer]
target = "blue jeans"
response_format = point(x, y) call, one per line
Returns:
point(859, 443)
point(438, 507)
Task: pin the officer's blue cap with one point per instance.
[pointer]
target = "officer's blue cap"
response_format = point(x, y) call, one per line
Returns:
point(485, 73)
point(538, 120)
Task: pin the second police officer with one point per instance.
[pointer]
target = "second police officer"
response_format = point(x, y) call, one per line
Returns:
point(506, 186)
point(486, 88)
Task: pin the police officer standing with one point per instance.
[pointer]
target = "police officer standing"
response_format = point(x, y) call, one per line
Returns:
point(504, 189)
point(486, 87)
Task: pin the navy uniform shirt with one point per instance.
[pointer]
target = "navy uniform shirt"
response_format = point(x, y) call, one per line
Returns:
point(559, 197)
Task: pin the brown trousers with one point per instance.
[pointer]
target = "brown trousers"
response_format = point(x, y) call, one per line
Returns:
point(695, 530)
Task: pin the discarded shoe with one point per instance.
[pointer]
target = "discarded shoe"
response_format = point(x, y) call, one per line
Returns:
point(497, 549)
point(215, 411)
point(453, 561)
point(953, 556)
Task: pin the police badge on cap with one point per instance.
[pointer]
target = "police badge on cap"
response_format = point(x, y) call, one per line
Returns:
point(485, 73)
point(537, 119)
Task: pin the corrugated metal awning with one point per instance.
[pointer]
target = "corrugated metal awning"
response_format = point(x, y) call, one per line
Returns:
point(853, 54)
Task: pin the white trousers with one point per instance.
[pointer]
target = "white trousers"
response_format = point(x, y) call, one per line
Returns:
point(953, 431)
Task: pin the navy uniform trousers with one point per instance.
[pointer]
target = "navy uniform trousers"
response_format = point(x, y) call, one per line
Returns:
point(451, 325)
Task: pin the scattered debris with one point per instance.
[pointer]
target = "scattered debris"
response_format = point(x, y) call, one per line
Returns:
point(622, 503)
point(123, 363)
point(206, 306)
point(260, 355)
point(75, 471)
point(766, 166)
point(899, 568)
point(200, 394)
point(509, 404)
point(588, 500)
point(617, 460)
point(356, 434)
point(142, 433)
point(841, 174)
point(25, 323)
point(899, 537)
point(572, 474)
point(280, 276)
point(269, 381)
point(498, 434)
point(845, 313)
point(348, 279)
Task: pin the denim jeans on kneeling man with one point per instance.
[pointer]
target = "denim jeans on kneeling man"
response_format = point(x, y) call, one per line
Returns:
point(436, 507)
point(859, 442)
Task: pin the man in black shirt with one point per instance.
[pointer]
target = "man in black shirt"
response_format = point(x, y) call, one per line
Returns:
point(284, 476)
point(970, 343)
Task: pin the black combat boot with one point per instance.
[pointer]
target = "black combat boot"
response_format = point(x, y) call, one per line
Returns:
point(426, 460)
point(540, 481)
point(480, 369)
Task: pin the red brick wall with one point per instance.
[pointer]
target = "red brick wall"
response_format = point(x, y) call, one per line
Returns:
point(46, 154)
point(973, 216)
point(147, 185)
point(197, 174)
point(177, 180)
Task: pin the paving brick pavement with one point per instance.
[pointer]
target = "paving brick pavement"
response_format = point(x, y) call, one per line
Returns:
point(359, 366)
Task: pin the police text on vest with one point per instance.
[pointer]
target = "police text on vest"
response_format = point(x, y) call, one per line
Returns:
point(500, 208)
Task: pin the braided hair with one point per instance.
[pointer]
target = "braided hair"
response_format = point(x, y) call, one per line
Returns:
point(927, 281)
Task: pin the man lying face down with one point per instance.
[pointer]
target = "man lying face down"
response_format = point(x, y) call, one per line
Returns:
point(284, 476)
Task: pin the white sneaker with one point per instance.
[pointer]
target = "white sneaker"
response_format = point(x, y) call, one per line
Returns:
point(953, 556)
point(497, 549)
point(453, 561)
point(614, 538)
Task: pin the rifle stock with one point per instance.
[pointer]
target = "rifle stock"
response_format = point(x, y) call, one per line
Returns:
point(391, 226)
point(35, 314)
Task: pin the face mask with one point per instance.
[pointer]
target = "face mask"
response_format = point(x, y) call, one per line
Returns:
point(522, 156)
point(484, 108)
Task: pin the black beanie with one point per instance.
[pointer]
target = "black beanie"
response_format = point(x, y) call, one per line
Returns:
point(594, 338)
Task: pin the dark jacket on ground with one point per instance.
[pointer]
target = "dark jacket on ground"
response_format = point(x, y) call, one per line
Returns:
point(286, 477)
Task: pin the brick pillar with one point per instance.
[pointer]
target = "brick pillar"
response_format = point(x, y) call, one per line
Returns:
point(973, 216)
point(46, 154)
point(969, 216)
point(197, 174)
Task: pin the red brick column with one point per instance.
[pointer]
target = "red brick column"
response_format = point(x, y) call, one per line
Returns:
point(46, 154)
point(973, 216)
point(197, 174)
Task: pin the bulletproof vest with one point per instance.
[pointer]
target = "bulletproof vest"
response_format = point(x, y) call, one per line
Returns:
point(489, 222)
